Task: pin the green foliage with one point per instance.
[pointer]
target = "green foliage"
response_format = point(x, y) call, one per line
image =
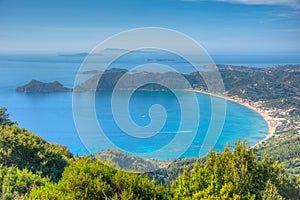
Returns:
point(284, 149)
point(284, 103)
point(266, 83)
point(21, 148)
point(125, 161)
point(16, 183)
point(90, 179)
point(252, 83)
point(271, 192)
point(170, 173)
point(25, 159)
point(234, 175)
point(162, 171)
point(4, 117)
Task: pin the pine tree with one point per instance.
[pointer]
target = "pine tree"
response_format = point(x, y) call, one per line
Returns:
point(271, 192)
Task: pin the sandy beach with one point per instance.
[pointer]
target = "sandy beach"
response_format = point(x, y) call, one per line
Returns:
point(270, 121)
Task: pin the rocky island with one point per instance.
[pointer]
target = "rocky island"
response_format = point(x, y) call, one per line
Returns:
point(35, 86)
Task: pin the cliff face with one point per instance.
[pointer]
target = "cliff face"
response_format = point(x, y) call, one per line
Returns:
point(35, 86)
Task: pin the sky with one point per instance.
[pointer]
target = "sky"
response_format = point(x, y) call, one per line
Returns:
point(220, 26)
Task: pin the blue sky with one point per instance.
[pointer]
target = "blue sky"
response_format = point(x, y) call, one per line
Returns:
point(221, 26)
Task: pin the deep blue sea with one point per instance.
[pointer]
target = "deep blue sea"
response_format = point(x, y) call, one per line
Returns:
point(50, 115)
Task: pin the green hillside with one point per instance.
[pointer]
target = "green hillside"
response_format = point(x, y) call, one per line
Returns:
point(246, 82)
point(32, 168)
point(26, 160)
point(125, 161)
point(233, 174)
point(25, 150)
point(284, 149)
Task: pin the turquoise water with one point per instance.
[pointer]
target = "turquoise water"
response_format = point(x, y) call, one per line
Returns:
point(50, 115)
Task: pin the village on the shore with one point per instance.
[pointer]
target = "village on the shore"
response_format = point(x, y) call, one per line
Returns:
point(283, 120)
point(279, 120)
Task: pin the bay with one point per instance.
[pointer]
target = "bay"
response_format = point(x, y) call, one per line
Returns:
point(51, 117)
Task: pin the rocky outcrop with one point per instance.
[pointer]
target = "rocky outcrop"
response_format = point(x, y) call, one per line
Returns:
point(35, 86)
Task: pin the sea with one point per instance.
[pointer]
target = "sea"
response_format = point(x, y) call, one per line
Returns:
point(51, 116)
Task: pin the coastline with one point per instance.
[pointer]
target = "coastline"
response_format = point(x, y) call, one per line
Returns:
point(272, 125)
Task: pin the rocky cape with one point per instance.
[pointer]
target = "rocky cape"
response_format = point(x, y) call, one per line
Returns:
point(35, 86)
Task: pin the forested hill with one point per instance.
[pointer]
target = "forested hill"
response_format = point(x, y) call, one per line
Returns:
point(125, 161)
point(26, 160)
point(32, 168)
point(246, 82)
point(25, 150)
point(262, 83)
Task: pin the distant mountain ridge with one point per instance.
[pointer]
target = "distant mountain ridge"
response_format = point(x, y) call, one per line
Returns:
point(83, 54)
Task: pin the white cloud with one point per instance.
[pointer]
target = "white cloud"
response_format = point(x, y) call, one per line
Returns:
point(291, 3)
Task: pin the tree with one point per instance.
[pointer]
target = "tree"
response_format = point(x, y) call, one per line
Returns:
point(90, 179)
point(21, 148)
point(4, 117)
point(235, 174)
point(271, 192)
point(16, 183)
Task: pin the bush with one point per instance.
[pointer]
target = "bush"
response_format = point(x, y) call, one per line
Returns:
point(86, 179)
point(21, 148)
point(16, 183)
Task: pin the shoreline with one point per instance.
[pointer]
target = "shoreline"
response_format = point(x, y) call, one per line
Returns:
point(272, 125)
